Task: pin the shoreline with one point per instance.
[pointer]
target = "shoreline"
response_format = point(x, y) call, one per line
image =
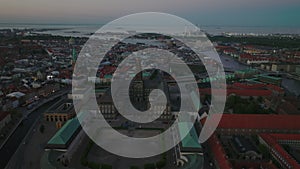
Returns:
point(86, 29)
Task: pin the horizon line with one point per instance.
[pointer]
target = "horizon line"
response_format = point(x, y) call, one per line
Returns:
point(197, 24)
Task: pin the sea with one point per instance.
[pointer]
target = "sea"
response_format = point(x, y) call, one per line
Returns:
point(85, 30)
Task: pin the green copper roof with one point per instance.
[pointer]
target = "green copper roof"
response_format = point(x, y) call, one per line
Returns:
point(74, 55)
point(146, 74)
point(253, 80)
point(131, 75)
point(246, 71)
point(108, 76)
point(65, 133)
point(191, 139)
point(211, 79)
point(270, 77)
point(100, 90)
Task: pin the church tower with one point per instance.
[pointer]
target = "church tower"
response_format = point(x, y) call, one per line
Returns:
point(73, 51)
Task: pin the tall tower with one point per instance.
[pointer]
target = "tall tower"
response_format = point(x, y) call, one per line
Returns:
point(139, 69)
point(137, 87)
point(73, 51)
point(74, 57)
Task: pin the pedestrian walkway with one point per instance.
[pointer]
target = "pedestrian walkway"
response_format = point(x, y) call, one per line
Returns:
point(195, 161)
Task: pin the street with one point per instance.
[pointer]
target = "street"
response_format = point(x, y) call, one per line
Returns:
point(13, 142)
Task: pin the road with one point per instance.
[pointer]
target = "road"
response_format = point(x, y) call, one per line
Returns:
point(13, 142)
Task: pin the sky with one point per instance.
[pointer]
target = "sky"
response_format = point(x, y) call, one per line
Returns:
point(203, 12)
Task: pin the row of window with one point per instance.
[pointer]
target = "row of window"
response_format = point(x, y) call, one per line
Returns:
point(280, 158)
point(56, 118)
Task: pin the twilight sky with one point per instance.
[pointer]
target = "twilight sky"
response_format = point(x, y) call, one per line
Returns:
point(203, 12)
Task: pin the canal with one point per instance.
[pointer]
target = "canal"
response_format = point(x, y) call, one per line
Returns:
point(291, 85)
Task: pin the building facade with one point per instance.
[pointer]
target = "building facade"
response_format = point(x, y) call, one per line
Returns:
point(62, 111)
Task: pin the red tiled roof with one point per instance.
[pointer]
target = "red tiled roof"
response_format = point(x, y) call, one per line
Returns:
point(3, 115)
point(260, 121)
point(253, 165)
point(279, 136)
point(246, 56)
point(106, 70)
point(2, 61)
point(12, 87)
point(271, 141)
point(242, 89)
point(219, 153)
point(65, 74)
point(244, 92)
point(248, 86)
point(287, 108)
point(23, 89)
point(249, 92)
point(249, 47)
point(223, 47)
point(253, 121)
point(275, 88)
point(229, 50)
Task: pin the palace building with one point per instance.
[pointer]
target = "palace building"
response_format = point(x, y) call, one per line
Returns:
point(60, 112)
point(270, 134)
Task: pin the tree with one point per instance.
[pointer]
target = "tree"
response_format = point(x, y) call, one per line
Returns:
point(106, 166)
point(264, 150)
point(161, 163)
point(251, 98)
point(238, 109)
point(230, 102)
point(260, 99)
point(251, 108)
point(134, 167)
point(93, 165)
point(83, 161)
point(42, 128)
point(149, 166)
